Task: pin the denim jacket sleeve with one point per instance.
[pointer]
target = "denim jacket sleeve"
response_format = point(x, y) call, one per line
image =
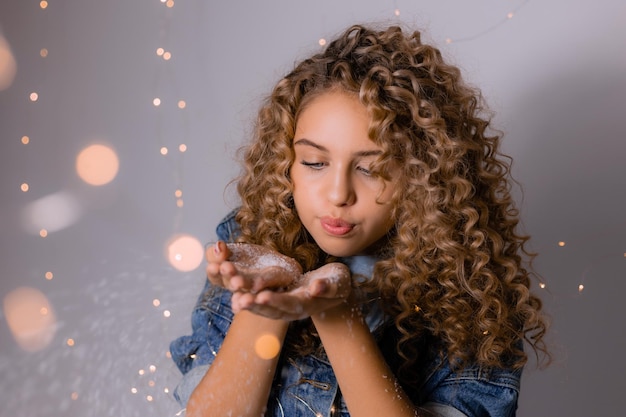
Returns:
point(472, 392)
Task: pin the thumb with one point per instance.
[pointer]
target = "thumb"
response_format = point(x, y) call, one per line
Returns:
point(319, 288)
point(218, 252)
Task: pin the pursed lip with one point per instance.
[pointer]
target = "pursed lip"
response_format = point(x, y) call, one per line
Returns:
point(336, 226)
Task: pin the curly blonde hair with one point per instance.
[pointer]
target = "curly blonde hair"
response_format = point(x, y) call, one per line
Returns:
point(454, 265)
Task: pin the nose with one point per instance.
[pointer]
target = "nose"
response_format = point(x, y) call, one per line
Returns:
point(341, 190)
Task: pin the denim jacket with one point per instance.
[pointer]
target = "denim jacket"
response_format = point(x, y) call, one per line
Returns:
point(306, 385)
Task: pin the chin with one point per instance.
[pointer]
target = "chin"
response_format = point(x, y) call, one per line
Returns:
point(339, 251)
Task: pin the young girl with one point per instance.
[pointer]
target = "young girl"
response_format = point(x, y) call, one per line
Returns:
point(398, 286)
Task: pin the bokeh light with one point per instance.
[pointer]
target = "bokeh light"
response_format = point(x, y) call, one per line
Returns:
point(267, 346)
point(30, 317)
point(53, 212)
point(8, 65)
point(97, 164)
point(184, 252)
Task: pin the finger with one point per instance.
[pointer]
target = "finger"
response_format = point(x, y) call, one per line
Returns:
point(218, 252)
point(320, 288)
point(246, 301)
point(214, 275)
point(330, 281)
point(213, 269)
point(289, 304)
point(241, 301)
point(234, 279)
point(227, 269)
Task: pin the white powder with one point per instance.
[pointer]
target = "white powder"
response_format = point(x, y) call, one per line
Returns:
point(255, 257)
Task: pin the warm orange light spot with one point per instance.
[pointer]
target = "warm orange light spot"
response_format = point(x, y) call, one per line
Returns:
point(178, 193)
point(156, 102)
point(156, 302)
point(167, 56)
point(182, 147)
point(49, 275)
point(70, 342)
point(184, 252)
point(43, 52)
point(24, 187)
point(30, 317)
point(97, 165)
point(43, 233)
point(170, 3)
point(182, 104)
point(160, 51)
point(163, 150)
point(581, 287)
point(180, 203)
point(542, 285)
point(322, 41)
point(267, 346)
point(25, 140)
point(34, 96)
point(396, 12)
point(74, 396)
point(561, 243)
point(43, 4)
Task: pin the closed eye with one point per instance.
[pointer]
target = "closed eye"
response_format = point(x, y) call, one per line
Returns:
point(364, 171)
point(313, 165)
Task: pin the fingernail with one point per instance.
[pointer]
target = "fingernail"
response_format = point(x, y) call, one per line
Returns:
point(216, 248)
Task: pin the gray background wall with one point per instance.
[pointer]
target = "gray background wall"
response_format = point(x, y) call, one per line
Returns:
point(554, 73)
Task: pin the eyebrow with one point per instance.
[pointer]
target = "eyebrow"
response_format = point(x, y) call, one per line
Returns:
point(307, 142)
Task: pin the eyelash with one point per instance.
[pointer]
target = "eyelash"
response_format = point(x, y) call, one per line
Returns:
point(319, 165)
point(313, 165)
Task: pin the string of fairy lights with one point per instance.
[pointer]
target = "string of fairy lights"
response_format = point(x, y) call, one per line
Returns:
point(98, 164)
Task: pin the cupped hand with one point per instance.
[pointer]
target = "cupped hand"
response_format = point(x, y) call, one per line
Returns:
point(243, 267)
point(316, 292)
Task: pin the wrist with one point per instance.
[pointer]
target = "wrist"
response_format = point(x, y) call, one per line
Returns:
point(341, 312)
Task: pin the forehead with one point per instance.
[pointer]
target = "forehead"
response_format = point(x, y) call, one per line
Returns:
point(334, 116)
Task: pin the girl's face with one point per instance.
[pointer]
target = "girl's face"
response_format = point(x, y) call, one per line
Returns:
point(337, 199)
